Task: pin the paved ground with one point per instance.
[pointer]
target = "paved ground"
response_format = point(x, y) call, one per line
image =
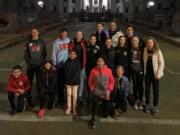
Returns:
point(132, 122)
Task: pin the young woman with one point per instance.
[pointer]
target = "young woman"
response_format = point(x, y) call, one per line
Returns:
point(122, 55)
point(109, 54)
point(93, 51)
point(136, 69)
point(101, 83)
point(153, 71)
point(72, 80)
point(79, 45)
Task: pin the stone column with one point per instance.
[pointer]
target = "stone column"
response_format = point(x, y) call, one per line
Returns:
point(176, 19)
point(90, 5)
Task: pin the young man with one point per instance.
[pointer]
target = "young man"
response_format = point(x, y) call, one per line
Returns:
point(35, 54)
point(114, 33)
point(130, 32)
point(17, 86)
point(100, 35)
point(59, 57)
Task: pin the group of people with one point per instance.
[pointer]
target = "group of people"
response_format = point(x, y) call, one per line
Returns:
point(97, 71)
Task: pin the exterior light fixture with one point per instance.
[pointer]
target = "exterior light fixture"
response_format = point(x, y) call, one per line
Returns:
point(40, 3)
point(150, 4)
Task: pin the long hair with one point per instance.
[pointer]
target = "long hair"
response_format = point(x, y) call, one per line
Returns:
point(75, 39)
point(125, 45)
point(156, 45)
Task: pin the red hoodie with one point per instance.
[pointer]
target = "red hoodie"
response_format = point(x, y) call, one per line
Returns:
point(101, 81)
point(18, 83)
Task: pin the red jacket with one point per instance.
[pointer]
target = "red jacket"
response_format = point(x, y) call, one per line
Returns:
point(83, 45)
point(101, 79)
point(18, 83)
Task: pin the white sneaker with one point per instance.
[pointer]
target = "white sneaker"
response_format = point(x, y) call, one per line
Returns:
point(136, 107)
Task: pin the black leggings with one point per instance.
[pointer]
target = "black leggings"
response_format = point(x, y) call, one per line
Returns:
point(61, 86)
point(49, 97)
point(121, 102)
point(31, 71)
point(106, 106)
point(20, 102)
point(155, 84)
point(138, 90)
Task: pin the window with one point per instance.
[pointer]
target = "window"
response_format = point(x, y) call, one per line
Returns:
point(95, 2)
point(159, 6)
point(65, 9)
point(173, 4)
point(126, 10)
point(136, 9)
point(32, 6)
point(55, 8)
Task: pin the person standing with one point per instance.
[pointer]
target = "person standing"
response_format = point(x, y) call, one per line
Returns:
point(100, 35)
point(35, 55)
point(72, 81)
point(114, 33)
point(93, 51)
point(109, 54)
point(122, 55)
point(153, 71)
point(60, 55)
point(136, 71)
point(80, 46)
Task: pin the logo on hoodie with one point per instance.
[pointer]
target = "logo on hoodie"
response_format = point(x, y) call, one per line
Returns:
point(35, 48)
point(20, 83)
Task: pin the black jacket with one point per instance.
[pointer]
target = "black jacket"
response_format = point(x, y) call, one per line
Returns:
point(92, 55)
point(109, 55)
point(135, 66)
point(100, 38)
point(49, 81)
point(122, 57)
point(72, 72)
point(35, 52)
point(129, 44)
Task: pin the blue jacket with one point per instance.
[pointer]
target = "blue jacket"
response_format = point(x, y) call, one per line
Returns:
point(125, 87)
point(60, 51)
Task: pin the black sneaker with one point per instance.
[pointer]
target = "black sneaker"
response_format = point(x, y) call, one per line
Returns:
point(146, 109)
point(92, 124)
point(12, 112)
point(154, 110)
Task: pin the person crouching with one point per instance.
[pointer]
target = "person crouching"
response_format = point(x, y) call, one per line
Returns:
point(121, 91)
point(101, 84)
point(17, 87)
point(48, 87)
